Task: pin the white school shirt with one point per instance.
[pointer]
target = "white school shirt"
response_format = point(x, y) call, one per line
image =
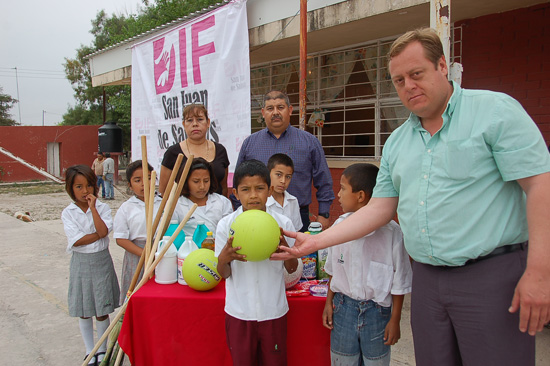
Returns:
point(217, 206)
point(290, 209)
point(130, 219)
point(373, 267)
point(255, 290)
point(78, 224)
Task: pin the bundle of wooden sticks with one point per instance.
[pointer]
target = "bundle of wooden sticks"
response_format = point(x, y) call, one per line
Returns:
point(147, 260)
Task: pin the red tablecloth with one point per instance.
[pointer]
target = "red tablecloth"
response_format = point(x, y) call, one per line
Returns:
point(174, 325)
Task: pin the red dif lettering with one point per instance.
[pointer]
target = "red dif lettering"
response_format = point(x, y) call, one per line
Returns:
point(165, 60)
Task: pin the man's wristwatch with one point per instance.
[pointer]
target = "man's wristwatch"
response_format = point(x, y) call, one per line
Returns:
point(325, 215)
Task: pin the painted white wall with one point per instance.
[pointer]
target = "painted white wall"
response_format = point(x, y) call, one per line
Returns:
point(262, 12)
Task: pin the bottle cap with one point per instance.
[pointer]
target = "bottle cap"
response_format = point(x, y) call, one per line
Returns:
point(209, 233)
point(200, 222)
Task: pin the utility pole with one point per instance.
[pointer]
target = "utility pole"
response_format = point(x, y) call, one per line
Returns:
point(18, 99)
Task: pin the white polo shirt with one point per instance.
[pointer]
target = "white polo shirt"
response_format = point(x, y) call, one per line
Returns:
point(78, 224)
point(371, 268)
point(290, 209)
point(130, 219)
point(217, 206)
point(255, 290)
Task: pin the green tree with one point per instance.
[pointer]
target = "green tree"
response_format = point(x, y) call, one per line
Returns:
point(6, 103)
point(107, 31)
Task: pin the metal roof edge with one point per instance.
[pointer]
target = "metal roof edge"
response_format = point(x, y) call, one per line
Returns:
point(188, 17)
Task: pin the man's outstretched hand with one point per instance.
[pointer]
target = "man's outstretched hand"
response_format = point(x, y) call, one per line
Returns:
point(304, 245)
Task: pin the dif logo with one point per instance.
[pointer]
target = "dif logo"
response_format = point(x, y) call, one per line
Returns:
point(164, 56)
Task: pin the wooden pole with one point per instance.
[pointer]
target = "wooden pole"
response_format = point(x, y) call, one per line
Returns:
point(145, 278)
point(303, 62)
point(156, 222)
point(168, 189)
point(178, 191)
point(146, 188)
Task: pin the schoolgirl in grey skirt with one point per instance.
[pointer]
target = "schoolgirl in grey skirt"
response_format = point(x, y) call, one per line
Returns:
point(93, 284)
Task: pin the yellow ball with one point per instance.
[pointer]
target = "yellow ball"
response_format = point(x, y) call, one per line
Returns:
point(257, 233)
point(200, 270)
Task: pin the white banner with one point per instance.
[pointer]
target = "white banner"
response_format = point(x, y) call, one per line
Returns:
point(205, 60)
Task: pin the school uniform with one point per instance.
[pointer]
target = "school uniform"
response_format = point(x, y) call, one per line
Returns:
point(290, 209)
point(365, 274)
point(217, 207)
point(130, 224)
point(93, 284)
point(255, 298)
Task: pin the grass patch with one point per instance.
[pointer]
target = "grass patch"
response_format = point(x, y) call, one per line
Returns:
point(31, 189)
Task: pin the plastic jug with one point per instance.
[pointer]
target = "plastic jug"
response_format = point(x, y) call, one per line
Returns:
point(186, 248)
point(310, 260)
point(208, 242)
point(200, 233)
point(171, 229)
point(166, 272)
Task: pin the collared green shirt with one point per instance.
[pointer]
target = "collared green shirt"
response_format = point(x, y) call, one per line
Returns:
point(457, 189)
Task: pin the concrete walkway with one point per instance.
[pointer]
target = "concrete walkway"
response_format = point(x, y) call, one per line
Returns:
point(36, 328)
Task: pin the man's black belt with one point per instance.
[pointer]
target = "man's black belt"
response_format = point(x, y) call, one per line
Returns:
point(499, 251)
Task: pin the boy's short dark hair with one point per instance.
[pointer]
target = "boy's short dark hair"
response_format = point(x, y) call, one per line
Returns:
point(277, 159)
point(361, 177)
point(251, 168)
point(83, 170)
point(133, 166)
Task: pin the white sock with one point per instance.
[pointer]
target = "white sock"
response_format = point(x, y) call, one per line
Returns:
point(101, 328)
point(87, 331)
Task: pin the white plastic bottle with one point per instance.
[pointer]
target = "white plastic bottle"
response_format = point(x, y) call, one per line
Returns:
point(185, 249)
point(166, 272)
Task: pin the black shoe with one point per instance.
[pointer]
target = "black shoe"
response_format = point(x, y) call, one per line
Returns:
point(97, 357)
point(93, 360)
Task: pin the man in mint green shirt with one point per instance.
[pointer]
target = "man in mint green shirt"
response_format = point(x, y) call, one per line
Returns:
point(468, 174)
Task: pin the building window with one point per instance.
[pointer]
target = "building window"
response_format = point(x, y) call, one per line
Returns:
point(348, 91)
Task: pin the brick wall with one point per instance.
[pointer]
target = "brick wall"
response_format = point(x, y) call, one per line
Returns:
point(77, 145)
point(510, 53)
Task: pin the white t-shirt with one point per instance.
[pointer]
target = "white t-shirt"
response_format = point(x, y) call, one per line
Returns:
point(130, 219)
point(290, 209)
point(255, 290)
point(217, 206)
point(371, 268)
point(78, 224)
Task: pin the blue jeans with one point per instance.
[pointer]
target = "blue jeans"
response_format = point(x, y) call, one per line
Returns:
point(109, 185)
point(101, 184)
point(358, 334)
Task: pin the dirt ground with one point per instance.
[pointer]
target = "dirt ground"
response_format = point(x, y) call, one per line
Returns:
point(45, 201)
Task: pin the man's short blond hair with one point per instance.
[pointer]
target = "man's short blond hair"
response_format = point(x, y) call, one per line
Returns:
point(428, 38)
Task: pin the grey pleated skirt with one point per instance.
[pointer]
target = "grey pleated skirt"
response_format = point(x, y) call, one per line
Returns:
point(93, 284)
point(129, 265)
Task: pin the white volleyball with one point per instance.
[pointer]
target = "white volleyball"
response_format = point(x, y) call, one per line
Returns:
point(293, 278)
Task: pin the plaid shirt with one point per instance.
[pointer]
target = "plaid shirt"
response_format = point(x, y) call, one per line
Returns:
point(309, 162)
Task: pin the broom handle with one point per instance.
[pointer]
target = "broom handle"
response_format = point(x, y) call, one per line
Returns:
point(146, 189)
point(149, 220)
point(141, 283)
point(181, 183)
point(168, 189)
point(172, 200)
point(155, 223)
point(119, 357)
